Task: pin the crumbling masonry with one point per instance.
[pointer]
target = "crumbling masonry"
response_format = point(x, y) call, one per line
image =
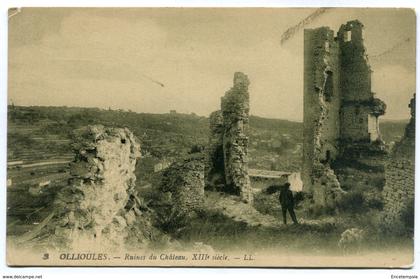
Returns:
point(99, 208)
point(184, 182)
point(398, 192)
point(228, 144)
point(342, 146)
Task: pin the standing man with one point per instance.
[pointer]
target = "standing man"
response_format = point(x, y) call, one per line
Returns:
point(287, 203)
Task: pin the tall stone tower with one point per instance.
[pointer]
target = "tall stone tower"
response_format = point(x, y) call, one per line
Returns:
point(340, 112)
point(359, 109)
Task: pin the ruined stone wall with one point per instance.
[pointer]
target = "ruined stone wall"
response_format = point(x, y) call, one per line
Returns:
point(184, 181)
point(99, 205)
point(399, 190)
point(227, 164)
point(235, 111)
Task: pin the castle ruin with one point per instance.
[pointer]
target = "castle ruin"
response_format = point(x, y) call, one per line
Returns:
point(228, 144)
point(342, 144)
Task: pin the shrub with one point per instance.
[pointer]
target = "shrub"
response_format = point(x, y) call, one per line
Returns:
point(351, 240)
point(352, 202)
point(267, 204)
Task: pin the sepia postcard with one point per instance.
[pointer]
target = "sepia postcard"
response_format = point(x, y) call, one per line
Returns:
point(216, 137)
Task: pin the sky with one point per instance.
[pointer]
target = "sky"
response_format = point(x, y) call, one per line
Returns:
point(160, 59)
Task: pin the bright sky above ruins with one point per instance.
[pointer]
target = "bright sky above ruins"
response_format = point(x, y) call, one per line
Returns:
point(118, 57)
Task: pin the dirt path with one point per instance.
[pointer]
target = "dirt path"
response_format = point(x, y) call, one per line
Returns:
point(239, 211)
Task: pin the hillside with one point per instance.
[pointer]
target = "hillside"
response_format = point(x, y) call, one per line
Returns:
point(274, 143)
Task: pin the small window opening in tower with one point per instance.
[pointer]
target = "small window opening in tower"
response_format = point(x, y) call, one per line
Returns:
point(347, 36)
point(373, 127)
point(328, 89)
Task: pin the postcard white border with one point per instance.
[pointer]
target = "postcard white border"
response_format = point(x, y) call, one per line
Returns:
point(185, 273)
